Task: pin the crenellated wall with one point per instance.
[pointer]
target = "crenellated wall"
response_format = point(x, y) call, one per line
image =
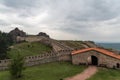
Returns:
point(63, 55)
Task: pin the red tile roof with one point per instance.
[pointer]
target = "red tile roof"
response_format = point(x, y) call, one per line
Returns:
point(103, 51)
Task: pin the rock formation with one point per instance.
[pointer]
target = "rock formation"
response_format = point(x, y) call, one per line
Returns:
point(43, 34)
point(16, 32)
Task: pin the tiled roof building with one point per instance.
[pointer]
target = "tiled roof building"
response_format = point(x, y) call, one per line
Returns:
point(96, 56)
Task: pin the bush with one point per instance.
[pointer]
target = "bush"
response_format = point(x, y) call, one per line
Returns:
point(17, 66)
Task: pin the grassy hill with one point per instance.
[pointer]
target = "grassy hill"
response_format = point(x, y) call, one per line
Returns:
point(49, 71)
point(28, 49)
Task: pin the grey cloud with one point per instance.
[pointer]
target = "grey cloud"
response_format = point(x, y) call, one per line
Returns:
point(24, 8)
point(2, 22)
point(91, 9)
point(95, 10)
point(84, 18)
point(19, 3)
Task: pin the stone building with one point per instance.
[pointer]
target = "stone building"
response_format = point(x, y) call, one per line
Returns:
point(96, 56)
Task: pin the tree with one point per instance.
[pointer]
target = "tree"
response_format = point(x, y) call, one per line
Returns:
point(5, 42)
point(17, 66)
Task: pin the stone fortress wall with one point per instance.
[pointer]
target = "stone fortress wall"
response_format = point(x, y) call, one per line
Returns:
point(56, 45)
point(61, 52)
point(29, 38)
point(63, 55)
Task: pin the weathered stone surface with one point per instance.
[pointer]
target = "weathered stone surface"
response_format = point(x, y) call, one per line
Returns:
point(43, 34)
point(16, 32)
point(46, 41)
point(90, 44)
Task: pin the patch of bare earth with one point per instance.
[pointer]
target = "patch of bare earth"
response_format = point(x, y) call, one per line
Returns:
point(87, 73)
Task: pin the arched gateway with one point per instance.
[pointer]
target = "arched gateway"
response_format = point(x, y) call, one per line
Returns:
point(94, 60)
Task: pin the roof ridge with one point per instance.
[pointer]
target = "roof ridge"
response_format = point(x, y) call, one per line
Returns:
point(106, 52)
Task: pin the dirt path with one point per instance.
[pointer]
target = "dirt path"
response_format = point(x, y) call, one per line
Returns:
point(87, 73)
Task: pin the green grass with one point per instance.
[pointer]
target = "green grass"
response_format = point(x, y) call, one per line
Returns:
point(50, 71)
point(27, 49)
point(106, 74)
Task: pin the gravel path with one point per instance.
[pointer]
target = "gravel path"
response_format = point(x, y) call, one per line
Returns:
point(87, 73)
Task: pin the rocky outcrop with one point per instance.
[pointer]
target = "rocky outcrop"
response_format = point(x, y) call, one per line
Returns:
point(76, 45)
point(15, 33)
point(43, 34)
point(90, 44)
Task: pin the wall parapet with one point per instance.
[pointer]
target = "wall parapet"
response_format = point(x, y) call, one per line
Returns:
point(39, 59)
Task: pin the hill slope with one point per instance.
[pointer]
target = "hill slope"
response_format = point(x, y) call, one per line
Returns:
point(28, 49)
point(79, 44)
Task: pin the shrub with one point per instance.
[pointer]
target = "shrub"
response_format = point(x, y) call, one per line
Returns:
point(17, 66)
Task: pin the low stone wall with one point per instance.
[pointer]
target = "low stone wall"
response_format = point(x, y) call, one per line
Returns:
point(63, 55)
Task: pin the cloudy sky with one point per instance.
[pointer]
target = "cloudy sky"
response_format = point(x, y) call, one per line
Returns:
point(97, 20)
